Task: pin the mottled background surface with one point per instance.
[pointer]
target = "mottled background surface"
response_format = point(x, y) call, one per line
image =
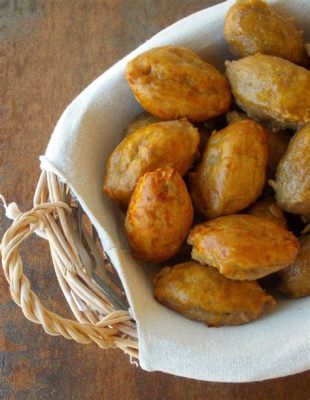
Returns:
point(49, 51)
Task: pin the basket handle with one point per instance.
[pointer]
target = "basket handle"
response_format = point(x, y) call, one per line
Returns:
point(23, 226)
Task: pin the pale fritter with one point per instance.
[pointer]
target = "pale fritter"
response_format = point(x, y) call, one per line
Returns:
point(295, 279)
point(162, 144)
point(251, 27)
point(232, 172)
point(270, 88)
point(174, 82)
point(292, 185)
point(202, 293)
point(140, 121)
point(159, 215)
point(243, 246)
point(268, 208)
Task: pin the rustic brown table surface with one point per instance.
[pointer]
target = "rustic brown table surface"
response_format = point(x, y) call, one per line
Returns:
point(49, 51)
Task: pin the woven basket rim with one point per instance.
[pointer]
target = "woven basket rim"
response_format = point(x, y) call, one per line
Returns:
point(86, 276)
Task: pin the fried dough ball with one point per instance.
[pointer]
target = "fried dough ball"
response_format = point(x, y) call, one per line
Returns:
point(141, 121)
point(252, 27)
point(162, 144)
point(174, 82)
point(269, 209)
point(277, 140)
point(202, 293)
point(295, 279)
point(270, 88)
point(232, 172)
point(243, 246)
point(159, 215)
point(292, 185)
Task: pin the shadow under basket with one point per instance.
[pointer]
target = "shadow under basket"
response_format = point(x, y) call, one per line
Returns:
point(87, 278)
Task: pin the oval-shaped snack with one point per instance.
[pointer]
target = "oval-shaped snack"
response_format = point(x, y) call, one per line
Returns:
point(163, 144)
point(251, 27)
point(243, 246)
point(202, 293)
point(174, 82)
point(292, 185)
point(140, 121)
point(159, 215)
point(295, 279)
point(270, 88)
point(232, 172)
point(268, 208)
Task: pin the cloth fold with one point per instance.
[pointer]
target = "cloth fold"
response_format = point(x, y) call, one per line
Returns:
point(85, 135)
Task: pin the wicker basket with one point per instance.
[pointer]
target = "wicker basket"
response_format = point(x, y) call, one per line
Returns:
point(88, 280)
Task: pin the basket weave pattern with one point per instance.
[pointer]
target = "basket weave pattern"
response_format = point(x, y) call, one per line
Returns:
point(87, 278)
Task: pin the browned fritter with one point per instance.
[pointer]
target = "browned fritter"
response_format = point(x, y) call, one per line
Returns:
point(270, 88)
point(159, 215)
point(202, 293)
point(268, 208)
point(162, 144)
point(243, 246)
point(292, 185)
point(295, 279)
point(232, 172)
point(251, 27)
point(173, 82)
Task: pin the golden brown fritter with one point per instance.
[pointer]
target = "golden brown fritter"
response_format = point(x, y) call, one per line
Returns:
point(268, 208)
point(174, 82)
point(141, 121)
point(162, 144)
point(202, 293)
point(295, 279)
point(292, 185)
point(243, 246)
point(159, 215)
point(251, 27)
point(270, 88)
point(232, 172)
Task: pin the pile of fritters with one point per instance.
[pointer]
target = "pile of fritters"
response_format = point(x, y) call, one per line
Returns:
point(221, 163)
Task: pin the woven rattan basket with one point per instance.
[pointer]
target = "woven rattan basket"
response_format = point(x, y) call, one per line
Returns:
point(88, 280)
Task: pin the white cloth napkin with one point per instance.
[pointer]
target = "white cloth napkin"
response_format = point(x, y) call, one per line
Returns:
point(87, 132)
